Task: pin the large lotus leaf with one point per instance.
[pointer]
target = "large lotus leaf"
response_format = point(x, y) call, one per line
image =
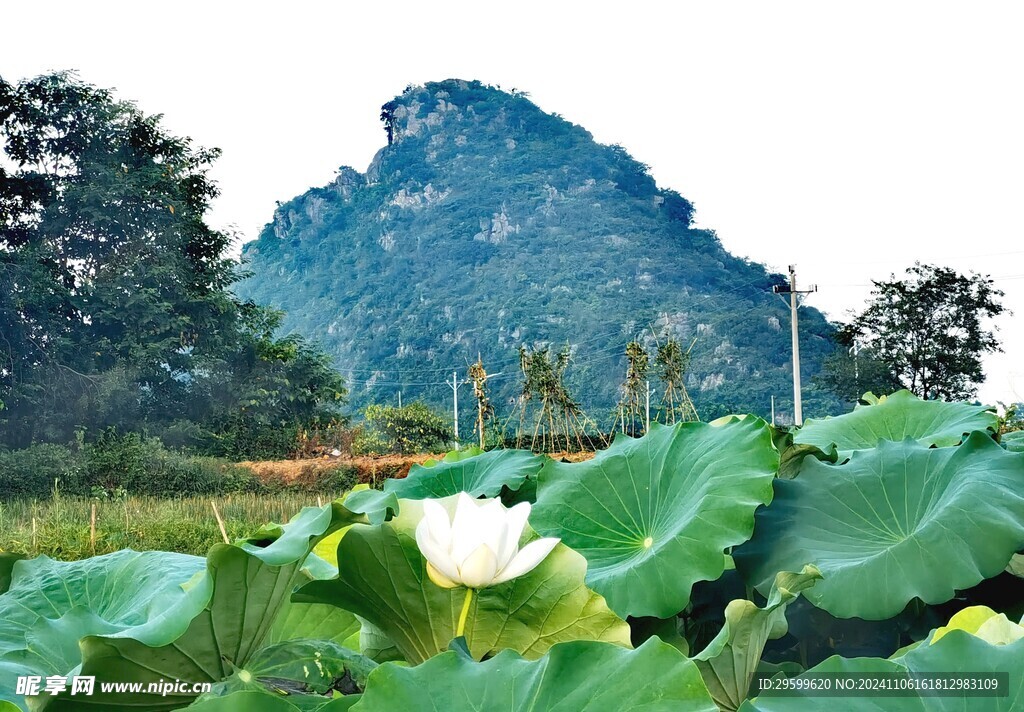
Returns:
point(297, 668)
point(482, 475)
point(383, 579)
point(899, 522)
point(1014, 442)
point(50, 605)
point(654, 515)
point(980, 621)
point(729, 662)
point(456, 455)
point(836, 668)
point(226, 616)
point(791, 454)
point(319, 664)
point(960, 652)
point(898, 417)
point(258, 700)
point(313, 620)
point(956, 652)
point(374, 644)
point(7, 562)
point(579, 676)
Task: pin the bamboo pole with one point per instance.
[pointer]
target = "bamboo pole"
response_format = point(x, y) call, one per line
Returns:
point(220, 522)
point(92, 529)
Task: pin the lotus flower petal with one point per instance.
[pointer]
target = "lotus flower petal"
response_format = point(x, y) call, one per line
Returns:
point(527, 559)
point(478, 570)
point(435, 555)
point(467, 525)
point(477, 546)
point(438, 523)
point(494, 516)
point(439, 578)
point(515, 522)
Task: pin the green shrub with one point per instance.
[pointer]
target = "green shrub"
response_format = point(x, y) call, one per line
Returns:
point(410, 429)
point(143, 466)
point(340, 479)
point(244, 438)
point(116, 461)
point(33, 471)
point(174, 475)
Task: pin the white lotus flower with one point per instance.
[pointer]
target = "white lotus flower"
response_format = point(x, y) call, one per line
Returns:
point(479, 546)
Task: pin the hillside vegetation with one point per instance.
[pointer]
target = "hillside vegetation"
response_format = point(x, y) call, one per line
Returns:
point(486, 224)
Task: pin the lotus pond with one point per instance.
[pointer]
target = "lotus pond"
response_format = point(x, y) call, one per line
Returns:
point(704, 566)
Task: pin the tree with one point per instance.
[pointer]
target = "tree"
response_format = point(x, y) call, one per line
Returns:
point(929, 329)
point(114, 300)
point(853, 370)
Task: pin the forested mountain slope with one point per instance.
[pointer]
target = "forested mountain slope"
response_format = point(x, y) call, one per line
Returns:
point(486, 224)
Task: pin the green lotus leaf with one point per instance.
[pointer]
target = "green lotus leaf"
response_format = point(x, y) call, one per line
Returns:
point(300, 667)
point(50, 605)
point(729, 662)
point(7, 562)
point(791, 454)
point(813, 701)
point(313, 620)
point(1014, 442)
point(581, 676)
point(374, 644)
point(375, 505)
point(960, 652)
point(482, 475)
point(456, 455)
point(979, 621)
point(899, 522)
point(383, 579)
point(225, 617)
point(654, 515)
point(668, 630)
point(246, 701)
point(956, 652)
point(258, 700)
point(898, 417)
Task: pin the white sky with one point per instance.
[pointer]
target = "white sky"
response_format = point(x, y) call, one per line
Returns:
point(849, 139)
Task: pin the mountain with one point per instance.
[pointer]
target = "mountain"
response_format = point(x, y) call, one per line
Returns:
point(485, 224)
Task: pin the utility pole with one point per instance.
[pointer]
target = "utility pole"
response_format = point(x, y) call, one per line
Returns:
point(647, 408)
point(854, 351)
point(795, 300)
point(455, 396)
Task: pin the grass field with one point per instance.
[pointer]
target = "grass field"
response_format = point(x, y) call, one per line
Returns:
point(62, 527)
